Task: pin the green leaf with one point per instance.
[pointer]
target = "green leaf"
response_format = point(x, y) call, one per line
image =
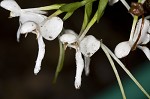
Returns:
point(88, 9)
point(71, 7)
point(85, 22)
point(88, 1)
point(67, 15)
point(60, 62)
point(101, 7)
point(89, 25)
point(51, 7)
point(87, 14)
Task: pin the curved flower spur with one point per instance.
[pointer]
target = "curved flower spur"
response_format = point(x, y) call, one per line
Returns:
point(140, 38)
point(49, 30)
point(88, 46)
point(24, 15)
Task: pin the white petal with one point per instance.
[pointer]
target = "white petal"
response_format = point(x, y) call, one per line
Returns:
point(143, 32)
point(87, 65)
point(29, 16)
point(145, 50)
point(12, 6)
point(40, 56)
point(89, 45)
point(147, 39)
point(69, 31)
point(18, 32)
point(79, 69)
point(111, 2)
point(149, 30)
point(27, 27)
point(122, 49)
point(69, 37)
point(52, 28)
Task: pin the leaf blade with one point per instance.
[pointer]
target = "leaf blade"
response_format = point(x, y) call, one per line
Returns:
point(101, 7)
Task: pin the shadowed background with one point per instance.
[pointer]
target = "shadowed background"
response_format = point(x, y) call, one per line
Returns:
point(17, 60)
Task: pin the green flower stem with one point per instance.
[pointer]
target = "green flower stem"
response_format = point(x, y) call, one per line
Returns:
point(87, 15)
point(135, 19)
point(127, 71)
point(60, 61)
point(68, 14)
point(85, 22)
point(45, 8)
point(55, 14)
point(115, 71)
point(51, 7)
point(90, 24)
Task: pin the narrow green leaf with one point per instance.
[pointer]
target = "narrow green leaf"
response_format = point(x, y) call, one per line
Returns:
point(56, 13)
point(101, 7)
point(89, 25)
point(67, 15)
point(85, 22)
point(71, 7)
point(87, 14)
point(88, 1)
point(60, 62)
point(88, 9)
point(51, 7)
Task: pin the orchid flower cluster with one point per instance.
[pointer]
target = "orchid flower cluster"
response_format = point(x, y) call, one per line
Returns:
point(34, 20)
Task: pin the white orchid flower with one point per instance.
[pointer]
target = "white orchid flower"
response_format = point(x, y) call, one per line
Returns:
point(32, 20)
point(88, 46)
point(25, 15)
point(140, 39)
point(49, 30)
point(32, 27)
point(70, 39)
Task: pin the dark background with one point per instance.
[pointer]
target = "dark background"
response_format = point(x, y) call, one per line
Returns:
point(17, 60)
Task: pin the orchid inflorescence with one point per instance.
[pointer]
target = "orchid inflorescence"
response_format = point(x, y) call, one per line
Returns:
point(34, 20)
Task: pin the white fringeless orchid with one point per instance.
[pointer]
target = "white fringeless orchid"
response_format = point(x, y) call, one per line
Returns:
point(24, 15)
point(32, 20)
point(140, 38)
point(49, 30)
point(88, 46)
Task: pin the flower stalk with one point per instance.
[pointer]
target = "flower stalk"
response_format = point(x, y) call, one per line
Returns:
point(127, 71)
point(115, 70)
